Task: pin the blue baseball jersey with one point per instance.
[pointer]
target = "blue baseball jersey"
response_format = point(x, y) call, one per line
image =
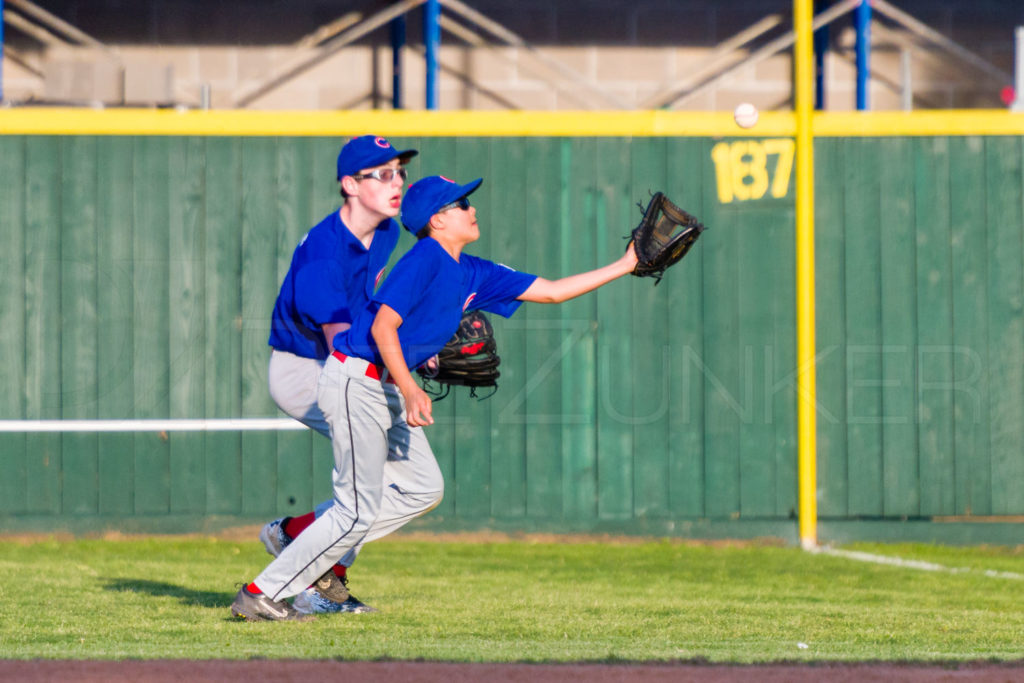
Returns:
point(331, 275)
point(431, 290)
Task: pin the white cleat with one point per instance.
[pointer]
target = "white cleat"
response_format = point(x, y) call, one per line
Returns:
point(311, 602)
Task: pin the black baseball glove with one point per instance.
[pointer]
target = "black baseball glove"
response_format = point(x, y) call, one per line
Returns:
point(663, 237)
point(469, 359)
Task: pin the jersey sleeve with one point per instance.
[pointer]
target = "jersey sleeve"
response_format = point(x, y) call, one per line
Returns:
point(320, 294)
point(409, 281)
point(498, 288)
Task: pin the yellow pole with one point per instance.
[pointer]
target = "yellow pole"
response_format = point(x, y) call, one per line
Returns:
point(803, 14)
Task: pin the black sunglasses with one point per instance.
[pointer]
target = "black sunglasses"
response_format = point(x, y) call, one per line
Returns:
point(460, 203)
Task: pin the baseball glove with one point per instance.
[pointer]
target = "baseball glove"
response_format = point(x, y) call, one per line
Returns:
point(469, 359)
point(657, 241)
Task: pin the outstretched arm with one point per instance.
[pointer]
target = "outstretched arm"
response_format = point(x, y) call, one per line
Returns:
point(385, 333)
point(556, 291)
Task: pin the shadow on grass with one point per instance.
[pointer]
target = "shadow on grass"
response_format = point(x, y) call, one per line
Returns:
point(187, 596)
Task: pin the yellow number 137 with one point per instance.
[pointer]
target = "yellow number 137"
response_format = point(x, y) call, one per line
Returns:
point(741, 168)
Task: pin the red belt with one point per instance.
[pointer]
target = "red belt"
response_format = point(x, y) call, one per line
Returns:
point(373, 371)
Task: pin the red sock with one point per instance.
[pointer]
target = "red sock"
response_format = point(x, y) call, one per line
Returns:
point(339, 571)
point(295, 525)
point(254, 589)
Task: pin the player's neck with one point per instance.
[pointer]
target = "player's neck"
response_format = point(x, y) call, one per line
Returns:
point(453, 248)
point(361, 222)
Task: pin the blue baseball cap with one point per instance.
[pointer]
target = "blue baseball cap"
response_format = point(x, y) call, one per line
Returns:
point(367, 151)
point(427, 195)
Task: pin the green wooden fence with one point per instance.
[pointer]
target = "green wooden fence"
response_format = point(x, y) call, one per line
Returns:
point(140, 272)
point(920, 327)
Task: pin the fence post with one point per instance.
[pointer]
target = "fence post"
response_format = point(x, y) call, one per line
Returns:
point(805, 344)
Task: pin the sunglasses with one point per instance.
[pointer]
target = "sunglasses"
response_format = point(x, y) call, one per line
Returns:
point(384, 175)
point(461, 203)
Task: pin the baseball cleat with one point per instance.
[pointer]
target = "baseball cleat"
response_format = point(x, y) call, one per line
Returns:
point(310, 601)
point(275, 540)
point(273, 536)
point(332, 587)
point(258, 607)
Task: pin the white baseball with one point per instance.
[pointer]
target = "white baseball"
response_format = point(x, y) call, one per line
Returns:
point(745, 115)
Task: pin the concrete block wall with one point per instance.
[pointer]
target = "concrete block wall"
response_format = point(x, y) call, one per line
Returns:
point(624, 56)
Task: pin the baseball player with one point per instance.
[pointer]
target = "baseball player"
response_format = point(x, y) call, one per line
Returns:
point(334, 271)
point(385, 473)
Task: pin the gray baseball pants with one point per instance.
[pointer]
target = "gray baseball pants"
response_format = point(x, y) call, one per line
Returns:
point(294, 382)
point(385, 475)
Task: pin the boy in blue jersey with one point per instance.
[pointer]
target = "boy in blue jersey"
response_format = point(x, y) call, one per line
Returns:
point(383, 463)
point(334, 271)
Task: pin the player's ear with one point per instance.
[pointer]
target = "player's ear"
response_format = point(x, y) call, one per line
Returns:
point(349, 186)
point(436, 222)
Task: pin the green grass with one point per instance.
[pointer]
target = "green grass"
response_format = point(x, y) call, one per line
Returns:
point(509, 601)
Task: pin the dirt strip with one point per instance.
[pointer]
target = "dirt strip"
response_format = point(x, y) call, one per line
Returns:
point(304, 671)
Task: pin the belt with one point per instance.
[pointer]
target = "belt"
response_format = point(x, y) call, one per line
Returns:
point(373, 371)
